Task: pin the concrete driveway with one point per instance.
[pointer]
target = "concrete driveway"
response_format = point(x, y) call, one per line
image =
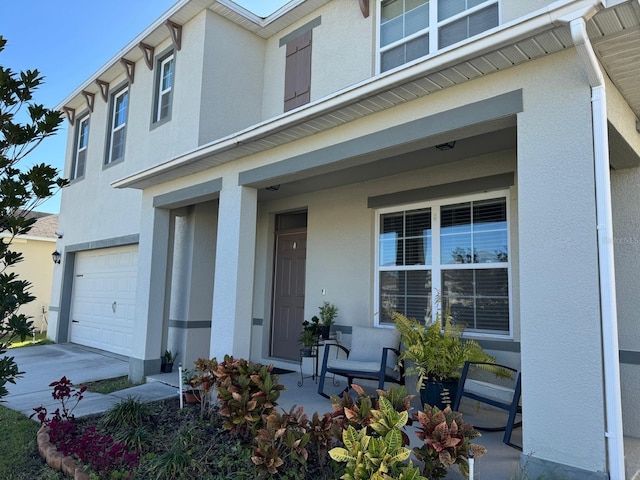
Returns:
point(44, 364)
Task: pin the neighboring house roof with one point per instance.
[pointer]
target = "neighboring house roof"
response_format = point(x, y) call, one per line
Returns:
point(44, 228)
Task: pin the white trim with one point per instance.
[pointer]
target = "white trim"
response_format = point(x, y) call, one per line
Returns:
point(159, 91)
point(433, 30)
point(77, 150)
point(435, 267)
point(116, 128)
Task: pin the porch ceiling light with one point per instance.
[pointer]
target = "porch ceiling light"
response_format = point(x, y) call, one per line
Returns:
point(56, 256)
point(273, 188)
point(446, 146)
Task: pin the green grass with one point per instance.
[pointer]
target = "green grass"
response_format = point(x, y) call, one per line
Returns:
point(39, 339)
point(110, 385)
point(20, 459)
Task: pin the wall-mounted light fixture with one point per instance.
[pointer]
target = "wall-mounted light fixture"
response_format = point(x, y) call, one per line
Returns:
point(446, 146)
point(56, 256)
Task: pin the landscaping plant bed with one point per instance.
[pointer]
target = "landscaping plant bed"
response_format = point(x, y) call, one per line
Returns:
point(245, 435)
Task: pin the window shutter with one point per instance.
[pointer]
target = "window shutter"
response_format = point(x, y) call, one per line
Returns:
point(297, 78)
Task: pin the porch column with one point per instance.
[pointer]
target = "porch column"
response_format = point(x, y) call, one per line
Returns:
point(561, 345)
point(234, 275)
point(153, 256)
point(192, 282)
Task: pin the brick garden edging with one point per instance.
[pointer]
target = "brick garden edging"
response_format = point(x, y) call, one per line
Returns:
point(56, 459)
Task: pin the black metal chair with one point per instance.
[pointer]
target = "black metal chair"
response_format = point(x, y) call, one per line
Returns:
point(373, 356)
point(480, 382)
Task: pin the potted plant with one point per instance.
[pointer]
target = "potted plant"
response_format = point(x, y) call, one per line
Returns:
point(309, 336)
point(436, 352)
point(190, 394)
point(328, 314)
point(447, 442)
point(168, 359)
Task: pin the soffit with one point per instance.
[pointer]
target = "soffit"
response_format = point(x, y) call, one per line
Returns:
point(615, 35)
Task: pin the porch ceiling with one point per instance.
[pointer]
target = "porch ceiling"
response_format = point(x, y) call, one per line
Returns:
point(615, 33)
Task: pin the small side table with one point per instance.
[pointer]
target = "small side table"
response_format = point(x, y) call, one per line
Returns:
point(314, 355)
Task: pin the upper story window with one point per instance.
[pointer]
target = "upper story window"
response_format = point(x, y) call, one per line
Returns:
point(410, 29)
point(455, 248)
point(164, 88)
point(118, 125)
point(81, 144)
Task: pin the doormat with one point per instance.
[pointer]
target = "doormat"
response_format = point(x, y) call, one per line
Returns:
point(280, 371)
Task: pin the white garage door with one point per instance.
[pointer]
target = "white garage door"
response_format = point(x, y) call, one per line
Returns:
point(104, 298)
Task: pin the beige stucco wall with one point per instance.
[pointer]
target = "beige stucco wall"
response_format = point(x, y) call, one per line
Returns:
point(232, 79)
point(511, 10)
point(342, 54)
point(37, 268)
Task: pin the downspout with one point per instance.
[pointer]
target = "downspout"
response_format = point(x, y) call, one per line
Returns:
point(608, 309)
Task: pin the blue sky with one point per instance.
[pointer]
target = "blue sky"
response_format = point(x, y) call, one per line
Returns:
point(68, 41)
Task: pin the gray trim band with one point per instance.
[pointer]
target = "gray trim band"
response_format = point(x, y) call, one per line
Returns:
point(499, 346)
point(199, 193)
point(629, 357)
point(300, 30)
point(187, 325)
point(104, 243)
point(441, 191)
point(505, 105)
point(54, 308)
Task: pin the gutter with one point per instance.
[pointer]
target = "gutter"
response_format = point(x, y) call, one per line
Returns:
point(516, 30)
point(608, 308)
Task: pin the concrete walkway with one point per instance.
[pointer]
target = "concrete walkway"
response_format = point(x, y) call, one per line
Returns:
point(44, 364)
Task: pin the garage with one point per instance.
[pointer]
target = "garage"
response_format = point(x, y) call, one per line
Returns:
point(104, 298)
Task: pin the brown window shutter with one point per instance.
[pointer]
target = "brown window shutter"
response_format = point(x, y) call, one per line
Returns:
point(297, 77)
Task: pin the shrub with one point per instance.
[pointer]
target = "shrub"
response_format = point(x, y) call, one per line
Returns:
point(380, 456)
point(247, 393)
point(105, 457)
point(447, 441)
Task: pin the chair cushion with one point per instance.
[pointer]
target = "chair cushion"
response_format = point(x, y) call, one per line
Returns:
point(351, 366)
point(489, 390)
point(367, 344)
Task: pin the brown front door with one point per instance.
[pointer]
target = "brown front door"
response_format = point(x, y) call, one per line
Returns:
point(288, 293)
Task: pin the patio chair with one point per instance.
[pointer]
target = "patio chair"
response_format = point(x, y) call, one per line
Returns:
point(373, 356)
point(481, 384)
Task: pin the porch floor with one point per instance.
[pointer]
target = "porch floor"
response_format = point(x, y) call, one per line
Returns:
point(500, 463)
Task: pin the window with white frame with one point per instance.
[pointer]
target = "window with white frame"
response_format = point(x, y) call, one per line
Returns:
point(118, 125)
point(457, 250)
point(80, 152)
point(410, 29)
point(164, 88)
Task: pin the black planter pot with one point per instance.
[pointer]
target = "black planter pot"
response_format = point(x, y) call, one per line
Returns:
point(324, 331)
point(439, 394)
point(166, 367)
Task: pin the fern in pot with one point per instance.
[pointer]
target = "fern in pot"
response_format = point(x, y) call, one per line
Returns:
point(436, 354)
